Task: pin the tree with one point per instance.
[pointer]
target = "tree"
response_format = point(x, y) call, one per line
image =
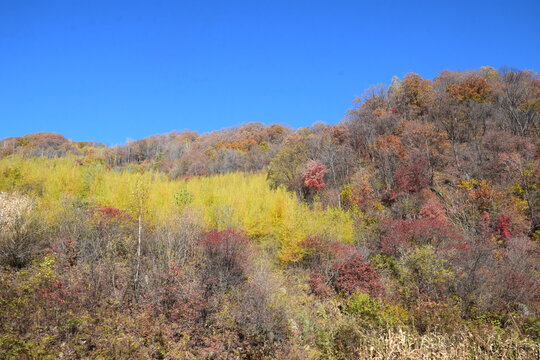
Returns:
point(285, 167)
point(312, 177)
point(520, 101)
point(413, 95)
point(139, 198)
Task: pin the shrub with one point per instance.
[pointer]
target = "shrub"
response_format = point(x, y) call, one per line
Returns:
point(397, 236)
point(424, 274)
point(259, 325)
point(503, 227)
point(431, 228)
point(362, 305)
point(225, 262)
point(347, 340)
point(355, 274)
point(315, 251)
point(318, 284)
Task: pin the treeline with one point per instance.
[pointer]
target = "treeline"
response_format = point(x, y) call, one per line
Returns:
point(181, 154)
point(46, 144)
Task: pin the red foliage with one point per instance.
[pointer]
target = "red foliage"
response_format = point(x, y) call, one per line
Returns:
point(460, 247)
point(109, 214)
point(355, 274)
point(214, 240)
point(432, 227)
point(319, 252)
point(485, 221)
point(318, 284)
point(517, 286)
point(399, 235)
point(411, 177)
point(503, 226)
point(389, 197)
point(313, 175)
point(434, 211)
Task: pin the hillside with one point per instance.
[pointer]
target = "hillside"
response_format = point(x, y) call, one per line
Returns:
point(410, 229)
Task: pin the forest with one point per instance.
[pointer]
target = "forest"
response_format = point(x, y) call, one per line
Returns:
point(408, 230)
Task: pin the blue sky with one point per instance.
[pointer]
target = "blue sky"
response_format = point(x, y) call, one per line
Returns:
point(113, 70)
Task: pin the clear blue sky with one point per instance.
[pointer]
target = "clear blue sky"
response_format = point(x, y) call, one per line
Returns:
point(112, 70)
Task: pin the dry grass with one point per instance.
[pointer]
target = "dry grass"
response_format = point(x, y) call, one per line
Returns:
point(405, 345)
point(12, 206)
point(19, 230)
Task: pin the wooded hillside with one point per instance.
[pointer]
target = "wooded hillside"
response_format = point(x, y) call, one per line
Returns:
point(410, 229)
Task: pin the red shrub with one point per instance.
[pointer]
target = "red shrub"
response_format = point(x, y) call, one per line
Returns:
point(503, 226)
point(318, 283)
point(515, 279)
point(355, 274)
point(316, 251)
point(399, 234)
point(389, 197)
point(226, 258)
point(108, 215)
point(432, 227)
point(319, 253)
point(434, 211)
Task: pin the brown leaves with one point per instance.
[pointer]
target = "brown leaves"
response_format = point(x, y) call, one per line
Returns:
point(473, 88)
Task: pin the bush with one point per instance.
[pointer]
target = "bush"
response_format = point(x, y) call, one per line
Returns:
point(355, 274)
point(423, 274)
point(347, 340)
point(362, 305)
point(318, 284)
point(316, 251)
point(413, 176)
point(259, 325)
point(225, 260)
point(374, 312)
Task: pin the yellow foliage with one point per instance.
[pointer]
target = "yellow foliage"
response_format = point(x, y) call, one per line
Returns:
point(472, 184)
point(240, 200)
point(40, 273)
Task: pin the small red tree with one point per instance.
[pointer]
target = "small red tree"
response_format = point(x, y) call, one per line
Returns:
point(503, 226)
point(432, 227)
point(313, 175)
point(397, 236)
